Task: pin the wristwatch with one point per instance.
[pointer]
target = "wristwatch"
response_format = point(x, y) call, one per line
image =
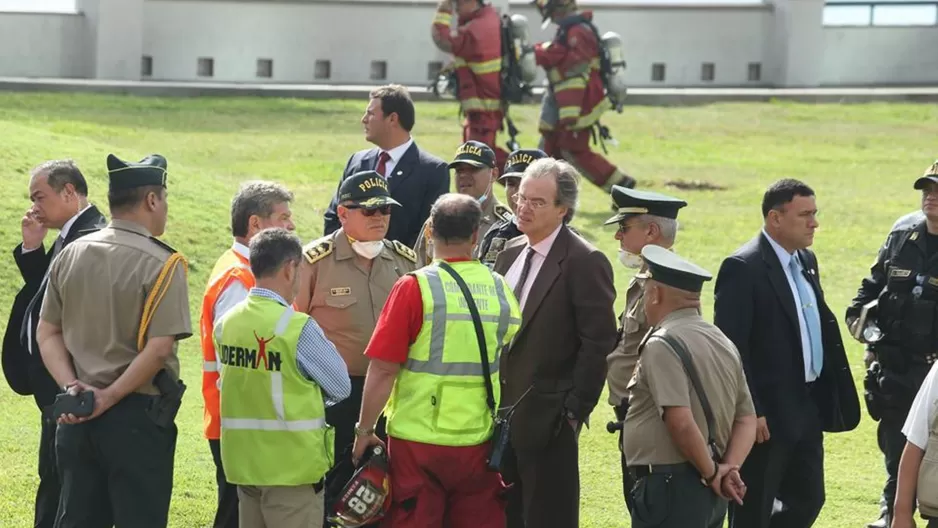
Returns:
point(568, 414)
point(363, 432)
point(709, 480)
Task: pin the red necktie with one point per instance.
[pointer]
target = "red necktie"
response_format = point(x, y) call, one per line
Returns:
point(383, 164)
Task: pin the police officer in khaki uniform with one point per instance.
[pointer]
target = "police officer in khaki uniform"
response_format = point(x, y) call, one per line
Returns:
point(345, 280)
point(494, 240)
point(691, 421)
point(116, 305)
point(475, 168)
point(643, 218)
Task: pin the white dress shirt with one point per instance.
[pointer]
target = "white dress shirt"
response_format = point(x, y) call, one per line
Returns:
point(65, 228)
point(541, 249)
point(396, 153)
point(918, 422)
point(234, 293)
point(784, 257)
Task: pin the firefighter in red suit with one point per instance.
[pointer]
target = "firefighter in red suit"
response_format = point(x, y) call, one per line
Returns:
point(477, 50)
point(576, 99)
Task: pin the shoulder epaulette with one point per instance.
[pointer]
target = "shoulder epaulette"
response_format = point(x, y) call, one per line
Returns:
point(318, 249)
point(908, 222)
point(163, 245)
point(404, 251)
point(502, 212)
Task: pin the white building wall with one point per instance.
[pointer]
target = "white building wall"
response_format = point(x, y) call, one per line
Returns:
point(42, 45)
point(880, 56)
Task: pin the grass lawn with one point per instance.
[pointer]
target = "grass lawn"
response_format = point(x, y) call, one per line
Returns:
point(861, 161)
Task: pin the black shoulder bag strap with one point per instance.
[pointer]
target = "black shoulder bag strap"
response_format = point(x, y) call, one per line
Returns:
point(480, 336)
point(681, 352)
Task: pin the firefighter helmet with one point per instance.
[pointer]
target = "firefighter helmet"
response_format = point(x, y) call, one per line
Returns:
point(367, 496)
point(548, 7)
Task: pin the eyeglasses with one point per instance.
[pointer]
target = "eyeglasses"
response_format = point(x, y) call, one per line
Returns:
point(625, 226)
point(370, 211)
point(533, 203)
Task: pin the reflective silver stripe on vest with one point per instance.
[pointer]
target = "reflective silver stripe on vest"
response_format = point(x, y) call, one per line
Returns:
point(276, 378)
point(250, 424)
point(209, 366)
point(438, 317)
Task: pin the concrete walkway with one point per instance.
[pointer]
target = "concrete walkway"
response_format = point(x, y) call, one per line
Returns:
point(637, 96)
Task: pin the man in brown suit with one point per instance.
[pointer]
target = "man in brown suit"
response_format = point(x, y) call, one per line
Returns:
point(555, 368)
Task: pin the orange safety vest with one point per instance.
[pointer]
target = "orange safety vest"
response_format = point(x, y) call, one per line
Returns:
point(229, 267)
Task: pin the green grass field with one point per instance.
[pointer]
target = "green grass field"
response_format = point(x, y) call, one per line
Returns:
point(861, 161)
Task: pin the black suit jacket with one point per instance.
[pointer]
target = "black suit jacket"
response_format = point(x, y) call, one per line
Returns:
point(25, 372)
point(418, 180)
point(567, 328)
point(755, 308)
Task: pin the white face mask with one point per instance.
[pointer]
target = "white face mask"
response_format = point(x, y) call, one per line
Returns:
point(368, 250)
point(630, 260)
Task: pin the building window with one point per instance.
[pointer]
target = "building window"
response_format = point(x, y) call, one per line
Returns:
point(379, 70)
point(206, 67)
point(755, 71)
point(146, 66)
point(657, 72)
point(707, 72)
point(265, 68)
point(323, 69)
point(433, 70)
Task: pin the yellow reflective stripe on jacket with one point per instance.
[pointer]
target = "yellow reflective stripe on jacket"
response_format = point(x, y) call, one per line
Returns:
point(591, 118)
point(478, 104)
point(569, 112)
point(576, 83)
point(443, 18)
point(479, 68)
point(555, 76)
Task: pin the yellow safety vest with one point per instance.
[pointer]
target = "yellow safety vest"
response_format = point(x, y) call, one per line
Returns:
point(439, 396)
point(273, 419)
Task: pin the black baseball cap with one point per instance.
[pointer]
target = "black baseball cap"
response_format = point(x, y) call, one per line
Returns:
point(519, 160)
point(930, 176)
point(474, 153)
point(367, 189)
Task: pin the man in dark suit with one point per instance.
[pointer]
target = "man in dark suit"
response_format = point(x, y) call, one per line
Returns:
point(60, 201)
point(415, 178)
point(555, 368)
point(769, 302)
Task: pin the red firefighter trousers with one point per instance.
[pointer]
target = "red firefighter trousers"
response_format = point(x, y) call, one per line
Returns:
point(435, 486)
point(574, 147)
point(483, 127)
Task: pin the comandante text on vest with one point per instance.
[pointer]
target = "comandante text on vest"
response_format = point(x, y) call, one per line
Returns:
point(236, 356)
point(479, 292)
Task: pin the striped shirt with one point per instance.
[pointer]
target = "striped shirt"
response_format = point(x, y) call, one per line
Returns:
point(316, 356)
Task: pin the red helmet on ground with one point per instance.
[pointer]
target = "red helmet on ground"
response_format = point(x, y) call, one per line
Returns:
point(367, 496)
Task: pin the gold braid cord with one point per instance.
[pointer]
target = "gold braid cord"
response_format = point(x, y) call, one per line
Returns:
point(155, 297)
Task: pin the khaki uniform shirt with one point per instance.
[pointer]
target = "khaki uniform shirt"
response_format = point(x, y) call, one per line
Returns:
point(97, 289)
point(492, 211)
point(344, 297)
point(660, 381)
point(624, 356)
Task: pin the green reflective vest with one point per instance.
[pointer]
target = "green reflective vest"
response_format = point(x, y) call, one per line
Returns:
point(273, 419)
point(439, 396)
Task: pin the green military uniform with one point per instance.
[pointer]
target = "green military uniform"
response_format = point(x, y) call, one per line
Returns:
point(118, 467)
point(346, 293)
point(669, 492)
point(629, 204)
point(479, 156)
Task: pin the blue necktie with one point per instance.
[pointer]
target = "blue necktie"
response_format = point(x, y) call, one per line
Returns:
point(811, 316)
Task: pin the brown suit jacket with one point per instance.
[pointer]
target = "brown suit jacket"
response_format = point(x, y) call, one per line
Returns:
point(568, 327)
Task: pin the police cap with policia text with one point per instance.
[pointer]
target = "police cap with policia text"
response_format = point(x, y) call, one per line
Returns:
point(518, 162)
point(474, 153)
point(930, 176)
point(367, 189)
point(668, 268)
point(122, 175)
point(629, 202)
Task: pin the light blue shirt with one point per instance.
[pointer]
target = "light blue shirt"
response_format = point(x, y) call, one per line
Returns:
point(316, 356)
point(784, 257)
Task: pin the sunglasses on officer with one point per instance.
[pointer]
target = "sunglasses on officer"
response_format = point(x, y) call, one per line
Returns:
point(370, 211)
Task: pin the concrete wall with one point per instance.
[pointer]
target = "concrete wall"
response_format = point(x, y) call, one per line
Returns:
point(880, 56)
point(42, 45)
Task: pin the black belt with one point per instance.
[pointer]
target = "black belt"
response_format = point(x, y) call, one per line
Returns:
point(317, 487)
point(644, 470)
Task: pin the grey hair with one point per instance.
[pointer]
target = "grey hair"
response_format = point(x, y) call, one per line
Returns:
point(565, 176)
point(256, 198)
point(60, 172)
point(666, 226)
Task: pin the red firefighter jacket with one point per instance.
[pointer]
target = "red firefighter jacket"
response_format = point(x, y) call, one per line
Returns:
point(572, 66)
point(477, 51)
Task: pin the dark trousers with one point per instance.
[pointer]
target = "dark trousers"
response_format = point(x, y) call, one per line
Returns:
point(675, 500)
point(545, 484)
point(791, 470)
point(47, 496)
point(116, 469)
point(226, 516)
point(343, 416)
point(891, 443)
point(627, 481)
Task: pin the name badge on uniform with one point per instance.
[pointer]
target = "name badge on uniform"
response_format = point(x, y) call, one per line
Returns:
point(898, 272)
point(336, 292)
